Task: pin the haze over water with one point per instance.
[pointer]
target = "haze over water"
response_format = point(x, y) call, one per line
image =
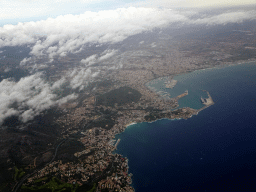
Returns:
point(213, 151)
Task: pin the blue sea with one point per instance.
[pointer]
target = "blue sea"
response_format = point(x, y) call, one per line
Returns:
point(212, 151)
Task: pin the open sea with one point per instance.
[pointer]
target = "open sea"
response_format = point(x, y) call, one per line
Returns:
point(212, 151)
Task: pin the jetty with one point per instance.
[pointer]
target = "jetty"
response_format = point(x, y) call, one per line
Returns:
point(117, 143)
point(182, 95)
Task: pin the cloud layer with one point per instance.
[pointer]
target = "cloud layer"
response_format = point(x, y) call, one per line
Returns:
point(69, 33)
point(57, 37)
point(29, 97)
point(21, 9)
point(231, 17)
point(192, 3)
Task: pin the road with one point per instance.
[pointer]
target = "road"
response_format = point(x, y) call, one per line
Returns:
point(19, 184)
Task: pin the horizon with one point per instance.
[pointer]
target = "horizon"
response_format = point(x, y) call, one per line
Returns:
point(29, 10)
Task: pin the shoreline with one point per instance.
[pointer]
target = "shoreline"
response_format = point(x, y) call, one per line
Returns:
point(212, 67)
point(134, 123)
point(202, 108)
point(197, 110)
point(169, 119)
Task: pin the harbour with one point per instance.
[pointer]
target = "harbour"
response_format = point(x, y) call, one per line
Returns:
point(206, 144)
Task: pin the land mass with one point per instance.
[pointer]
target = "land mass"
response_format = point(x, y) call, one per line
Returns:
point(73, 149)
point(96, 165)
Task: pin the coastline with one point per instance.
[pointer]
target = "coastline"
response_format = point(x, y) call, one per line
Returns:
point(211, 67)
point(134, 123)
point(165, 112)
point(197, 110)
point(172, 76)
point(172, 119)
point(201, 109)
point(216, 67)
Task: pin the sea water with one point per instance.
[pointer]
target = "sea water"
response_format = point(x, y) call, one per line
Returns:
point(213, 151)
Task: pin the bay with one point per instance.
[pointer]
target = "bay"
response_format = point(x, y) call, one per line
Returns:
point(213, 151)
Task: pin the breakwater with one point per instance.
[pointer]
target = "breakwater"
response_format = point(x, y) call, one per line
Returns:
point(117, 143)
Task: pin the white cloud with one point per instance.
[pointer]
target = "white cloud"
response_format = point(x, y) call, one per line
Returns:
point(69, 33)
point(32, 96)
point(96, 58)
point(27, 115)
point(107, 54)
point(20, 9)
point(67, 98)
point(191, 3)
point(25, 61)
point(7, 70)
point(153, 45)
point(231, 17)
point(89, 60)
point(58, 84)
point(81, 77)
